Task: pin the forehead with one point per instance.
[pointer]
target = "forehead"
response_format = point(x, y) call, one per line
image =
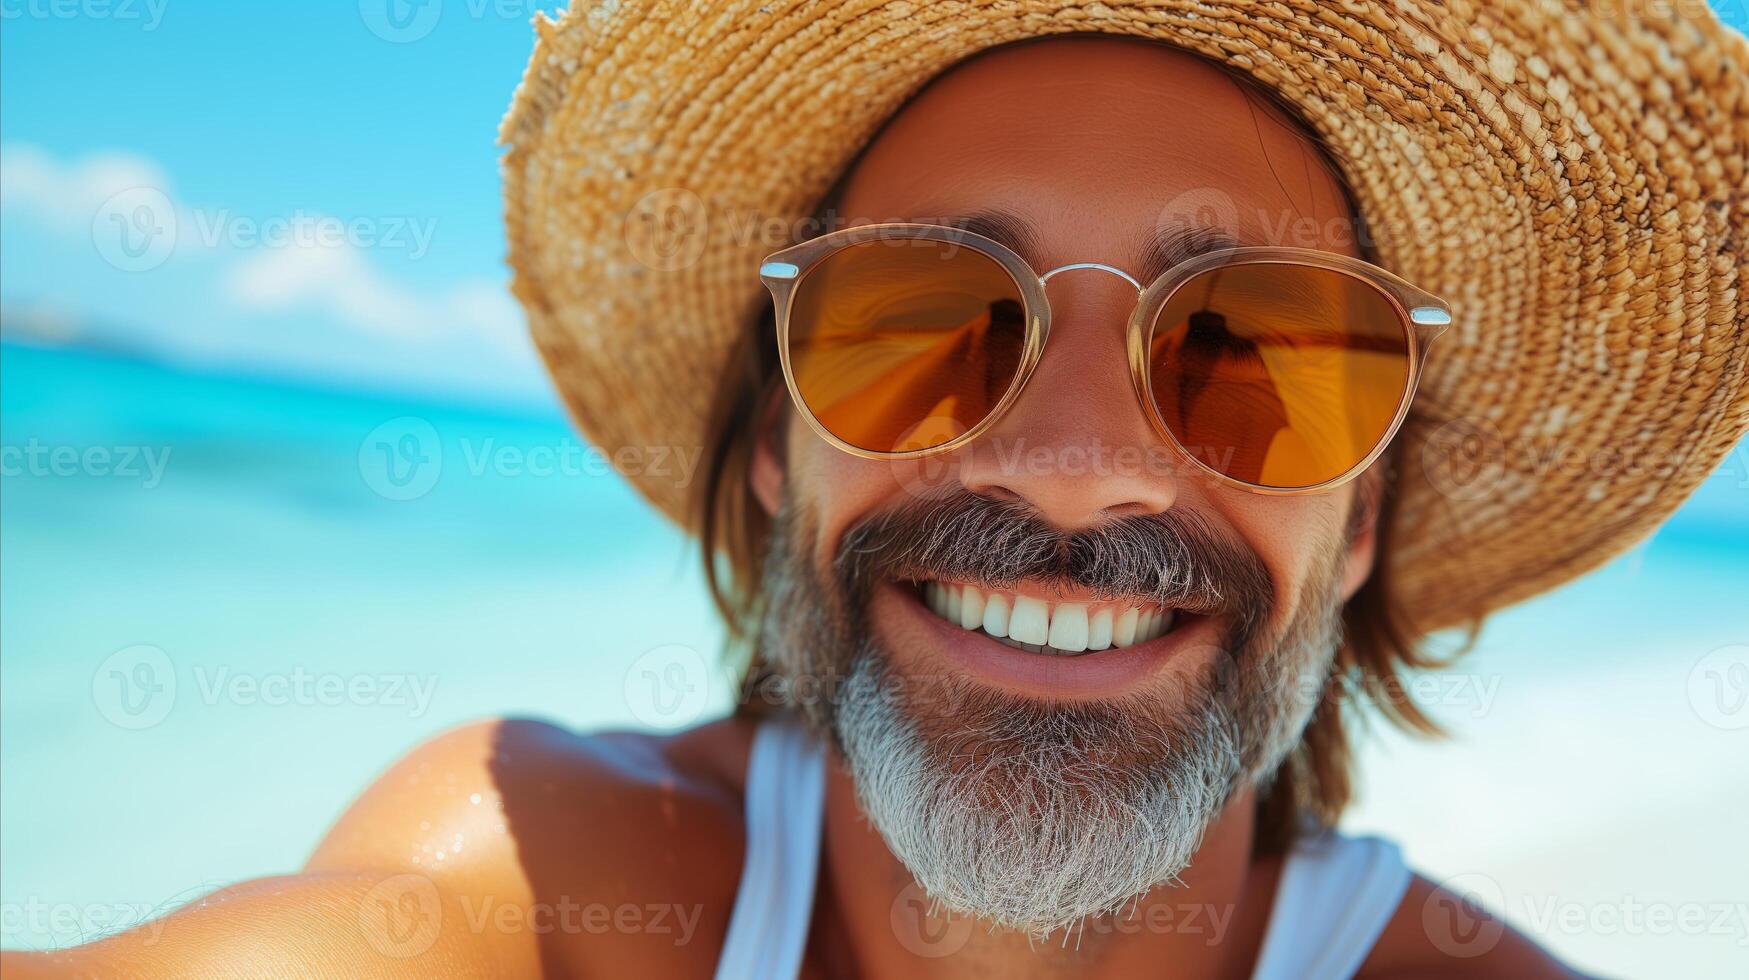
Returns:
point(1097, 144)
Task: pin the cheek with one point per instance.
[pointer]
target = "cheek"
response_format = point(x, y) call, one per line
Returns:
point(1295, 537)
point(836, 488)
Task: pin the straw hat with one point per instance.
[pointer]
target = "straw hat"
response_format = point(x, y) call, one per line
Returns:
point(1571, 176)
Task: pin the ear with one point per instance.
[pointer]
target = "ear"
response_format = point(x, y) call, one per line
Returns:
point(1363, 532)
point(770, 458)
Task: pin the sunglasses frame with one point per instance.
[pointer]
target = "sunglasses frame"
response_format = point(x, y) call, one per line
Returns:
point(1423, 317)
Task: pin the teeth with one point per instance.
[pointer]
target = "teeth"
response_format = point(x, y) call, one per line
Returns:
point(971, 608)
point(1069, 627)
point(1123, 629)
point(1099, 630)
point(1030, 621)
point(996, 615)
point(1164, 625)
point(1034, 625)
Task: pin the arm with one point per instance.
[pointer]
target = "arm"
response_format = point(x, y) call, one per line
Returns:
point(374, 900)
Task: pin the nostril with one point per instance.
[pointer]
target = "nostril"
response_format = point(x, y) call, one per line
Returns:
point(999, 493)
point(1134, 508)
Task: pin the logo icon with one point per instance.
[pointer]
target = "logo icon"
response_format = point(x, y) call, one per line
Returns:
point(135, 230)
point(135, 687)
point(923, 933)
point(401, 459)
point(1718, 688)
point(928, 477)
point(1465, 459)
point(668, 687)
point(1200, 211)
point(401, 916)
point(665, 230)
point(1456, 917)
point(400, 21)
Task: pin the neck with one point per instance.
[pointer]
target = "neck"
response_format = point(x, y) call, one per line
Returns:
point(1209, 923)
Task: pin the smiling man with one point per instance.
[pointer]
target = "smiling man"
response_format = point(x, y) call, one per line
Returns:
point(1127, 409)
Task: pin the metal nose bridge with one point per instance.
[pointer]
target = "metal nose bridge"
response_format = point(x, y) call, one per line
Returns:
point(1101, 266)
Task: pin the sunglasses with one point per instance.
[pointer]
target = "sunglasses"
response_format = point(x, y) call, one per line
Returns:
point(1279, 370)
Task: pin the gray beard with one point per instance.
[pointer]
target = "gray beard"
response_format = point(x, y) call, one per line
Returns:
point(1029, 814)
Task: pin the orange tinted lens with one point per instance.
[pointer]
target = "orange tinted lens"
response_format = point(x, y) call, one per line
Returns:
point(904, 344)
point(1279, 375)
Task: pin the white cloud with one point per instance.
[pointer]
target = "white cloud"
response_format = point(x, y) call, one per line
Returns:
point(340, 281)
point(301, 292)
point(66, 197)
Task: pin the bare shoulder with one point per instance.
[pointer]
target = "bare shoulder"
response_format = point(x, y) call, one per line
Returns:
point(611, 846)
point(1437, 934)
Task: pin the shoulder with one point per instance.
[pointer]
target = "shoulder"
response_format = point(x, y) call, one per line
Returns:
point(586, 838)
point(1437, 933)
point(510, 778)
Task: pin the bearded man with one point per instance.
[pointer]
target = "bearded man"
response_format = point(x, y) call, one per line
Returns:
point(1137, 388)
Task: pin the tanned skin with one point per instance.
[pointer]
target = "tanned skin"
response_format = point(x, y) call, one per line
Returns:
point(1088, 140)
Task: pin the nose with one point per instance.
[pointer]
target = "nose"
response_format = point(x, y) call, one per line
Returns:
point(1077, 446)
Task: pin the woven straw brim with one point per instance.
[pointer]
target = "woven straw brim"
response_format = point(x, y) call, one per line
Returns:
point(1570, 177)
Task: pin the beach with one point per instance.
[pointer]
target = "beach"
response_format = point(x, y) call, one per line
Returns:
point(228, 603)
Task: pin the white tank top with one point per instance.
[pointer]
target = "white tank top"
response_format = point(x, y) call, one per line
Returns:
point(1335, 897)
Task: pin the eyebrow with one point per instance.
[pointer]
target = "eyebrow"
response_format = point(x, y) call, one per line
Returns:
point(1162, 249)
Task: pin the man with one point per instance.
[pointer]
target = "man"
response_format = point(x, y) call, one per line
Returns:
point(1083, 473)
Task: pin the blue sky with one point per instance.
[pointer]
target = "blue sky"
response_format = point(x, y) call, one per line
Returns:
point(253, 118)
point(254, 124)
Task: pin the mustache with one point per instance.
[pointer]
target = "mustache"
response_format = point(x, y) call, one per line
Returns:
point(1173, 558)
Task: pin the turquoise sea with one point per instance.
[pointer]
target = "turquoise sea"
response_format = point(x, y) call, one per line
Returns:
point(226, 603)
